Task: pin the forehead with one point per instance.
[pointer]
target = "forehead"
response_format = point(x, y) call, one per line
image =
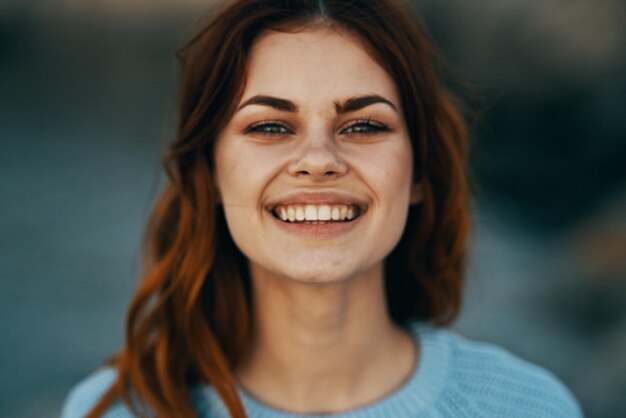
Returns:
point(318, 63)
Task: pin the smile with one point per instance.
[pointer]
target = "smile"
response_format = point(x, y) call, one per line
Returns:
point(316, 214)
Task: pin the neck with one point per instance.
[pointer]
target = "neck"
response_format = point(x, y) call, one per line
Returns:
point(324, 347)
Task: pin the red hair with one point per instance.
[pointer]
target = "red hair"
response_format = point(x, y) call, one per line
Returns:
point(190, 320)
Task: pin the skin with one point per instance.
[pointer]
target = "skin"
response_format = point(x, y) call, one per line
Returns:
point(323, 339)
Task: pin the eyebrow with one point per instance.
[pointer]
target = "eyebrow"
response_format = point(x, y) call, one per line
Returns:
point(275, 102)
point(356, 103)
point(350, 105)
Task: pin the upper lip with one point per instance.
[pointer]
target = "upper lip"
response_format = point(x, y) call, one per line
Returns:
point(318, 198)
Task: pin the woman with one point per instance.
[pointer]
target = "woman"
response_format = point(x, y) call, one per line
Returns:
point(312, 228)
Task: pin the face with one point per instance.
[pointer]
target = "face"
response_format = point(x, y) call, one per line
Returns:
point(314, 168)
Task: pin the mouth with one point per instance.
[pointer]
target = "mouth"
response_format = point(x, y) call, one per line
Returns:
point(317, 214)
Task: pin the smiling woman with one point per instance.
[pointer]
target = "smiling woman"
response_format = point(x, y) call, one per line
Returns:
point(308, 248)
point(320, 134)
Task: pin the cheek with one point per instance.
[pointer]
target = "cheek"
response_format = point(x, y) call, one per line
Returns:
point(239, 174)
point(237, 179)
point(400, 167)
point(244, 173)
point(390, 173)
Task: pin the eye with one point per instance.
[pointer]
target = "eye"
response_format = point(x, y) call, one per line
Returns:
point(269, 128)
point(365, 127)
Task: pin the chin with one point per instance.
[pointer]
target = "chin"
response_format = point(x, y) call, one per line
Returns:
point(315, 267)
point(317, 278)
point(321, 274)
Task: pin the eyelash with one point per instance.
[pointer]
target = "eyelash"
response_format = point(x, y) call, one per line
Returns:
point(372, 127)
point(270, 127)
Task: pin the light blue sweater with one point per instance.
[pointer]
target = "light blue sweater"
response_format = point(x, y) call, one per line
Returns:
point(455, 377)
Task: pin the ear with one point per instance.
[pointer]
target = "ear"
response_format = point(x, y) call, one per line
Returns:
point(417, 193)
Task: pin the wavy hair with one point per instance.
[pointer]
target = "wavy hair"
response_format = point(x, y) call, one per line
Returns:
point(190, 320)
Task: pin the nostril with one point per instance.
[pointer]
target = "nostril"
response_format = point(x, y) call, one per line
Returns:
point(336, 170)
point(318, 163)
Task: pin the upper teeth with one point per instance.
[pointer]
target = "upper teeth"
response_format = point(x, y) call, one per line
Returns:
point(294, 213)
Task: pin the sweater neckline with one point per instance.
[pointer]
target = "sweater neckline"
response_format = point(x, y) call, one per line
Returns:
point(418, 393)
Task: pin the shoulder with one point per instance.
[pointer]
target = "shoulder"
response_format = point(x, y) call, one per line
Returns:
point(85, 395)
point(498, 383)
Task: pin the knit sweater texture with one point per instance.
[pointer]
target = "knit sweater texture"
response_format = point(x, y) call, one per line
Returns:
point(454, 377)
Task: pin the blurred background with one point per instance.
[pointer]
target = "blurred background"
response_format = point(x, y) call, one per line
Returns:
point(87, 99)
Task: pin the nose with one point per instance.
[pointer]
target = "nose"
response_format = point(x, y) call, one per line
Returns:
point(318, 160)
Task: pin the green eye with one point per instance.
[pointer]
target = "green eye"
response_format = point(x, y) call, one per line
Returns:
point(365, 127)
point(271, 128)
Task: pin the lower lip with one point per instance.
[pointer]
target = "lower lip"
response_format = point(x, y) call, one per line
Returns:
point(323, 230)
